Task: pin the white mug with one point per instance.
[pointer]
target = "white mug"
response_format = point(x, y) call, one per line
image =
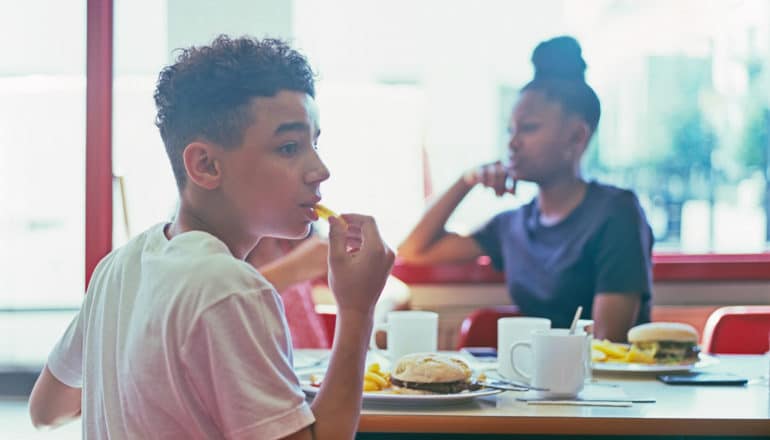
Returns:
point(587, 327)
point(409, 331)
point(558, 362)
point(510, 331)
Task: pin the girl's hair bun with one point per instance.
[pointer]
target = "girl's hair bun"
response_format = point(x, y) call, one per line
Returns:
point(559, 58)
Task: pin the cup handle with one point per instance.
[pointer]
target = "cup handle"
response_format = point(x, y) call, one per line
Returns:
point(511, 352)
point(373, 339)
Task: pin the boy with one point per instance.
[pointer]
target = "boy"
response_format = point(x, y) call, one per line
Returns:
point(178, 337)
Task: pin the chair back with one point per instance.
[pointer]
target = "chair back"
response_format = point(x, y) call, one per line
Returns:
point(738, 330)
point(479, 329)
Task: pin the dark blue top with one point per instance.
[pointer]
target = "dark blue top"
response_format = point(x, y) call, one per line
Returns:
point(603, 245)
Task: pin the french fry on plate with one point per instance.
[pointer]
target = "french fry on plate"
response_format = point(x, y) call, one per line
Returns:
point(612, 351)
point(376, 379)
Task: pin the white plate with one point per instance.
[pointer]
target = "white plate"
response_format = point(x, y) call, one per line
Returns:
point(384, 397)
point(705, 361)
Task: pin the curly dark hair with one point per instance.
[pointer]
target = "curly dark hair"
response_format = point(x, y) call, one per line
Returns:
point(206, 93)
point(560, 75)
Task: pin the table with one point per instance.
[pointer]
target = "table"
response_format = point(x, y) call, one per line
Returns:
point(678, 410)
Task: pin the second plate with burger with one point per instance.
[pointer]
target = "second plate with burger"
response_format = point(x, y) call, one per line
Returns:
point(656, 347)
point(418, 379)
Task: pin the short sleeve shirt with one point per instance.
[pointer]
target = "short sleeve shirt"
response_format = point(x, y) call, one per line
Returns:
point(179, 339)
point(603, 245)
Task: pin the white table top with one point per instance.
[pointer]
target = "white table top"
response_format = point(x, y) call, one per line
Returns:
point(678, 410)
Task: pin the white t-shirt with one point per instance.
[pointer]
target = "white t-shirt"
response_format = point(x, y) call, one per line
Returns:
point(179, 339)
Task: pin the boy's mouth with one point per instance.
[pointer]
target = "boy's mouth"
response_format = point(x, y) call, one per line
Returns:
point(310, 211)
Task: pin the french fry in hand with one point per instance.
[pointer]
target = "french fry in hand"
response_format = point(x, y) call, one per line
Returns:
point(323, 212)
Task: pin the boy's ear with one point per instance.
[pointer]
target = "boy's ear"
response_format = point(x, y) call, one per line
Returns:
point(202, 165)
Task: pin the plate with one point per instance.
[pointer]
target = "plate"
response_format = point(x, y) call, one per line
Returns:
point(389, 398)
point(705, 361)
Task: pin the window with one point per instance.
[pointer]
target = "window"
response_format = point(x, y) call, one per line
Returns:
point(684, 115)
point(42, 140)
point(683, 88)
point(42, 174)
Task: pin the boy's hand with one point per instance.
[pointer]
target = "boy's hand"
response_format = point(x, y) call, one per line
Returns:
point(493, 175)
point(359, 262)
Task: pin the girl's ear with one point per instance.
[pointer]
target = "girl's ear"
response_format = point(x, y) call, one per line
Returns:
point(580, 134)
point(578, 138)
point(202, 165)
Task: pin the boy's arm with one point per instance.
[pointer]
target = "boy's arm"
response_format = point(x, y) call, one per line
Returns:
point(359, 263)
point(337, 406)
point(53, 403)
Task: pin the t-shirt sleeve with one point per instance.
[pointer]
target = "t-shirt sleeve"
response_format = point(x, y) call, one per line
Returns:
point(623, 262)
point(490, 241)
point(237, 359)
point(65, 361)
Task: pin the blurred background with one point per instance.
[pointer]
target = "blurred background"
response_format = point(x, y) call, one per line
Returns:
point(412, 93)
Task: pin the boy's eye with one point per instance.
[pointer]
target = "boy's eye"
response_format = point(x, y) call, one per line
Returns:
point(288, 149)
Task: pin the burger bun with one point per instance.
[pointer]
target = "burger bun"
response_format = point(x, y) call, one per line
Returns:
point(431, 368)
point(663, 331)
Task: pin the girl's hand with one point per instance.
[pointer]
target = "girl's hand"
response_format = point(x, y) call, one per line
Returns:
point(492, 175)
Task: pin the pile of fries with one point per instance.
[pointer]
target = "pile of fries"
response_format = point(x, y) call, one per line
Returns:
point(375, 379)
point(606, 351)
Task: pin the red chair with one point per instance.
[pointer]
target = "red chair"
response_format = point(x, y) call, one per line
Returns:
point(479, 329)
point(738, 330)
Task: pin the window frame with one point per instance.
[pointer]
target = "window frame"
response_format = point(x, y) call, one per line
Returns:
point(667, 267)
point(99, 82)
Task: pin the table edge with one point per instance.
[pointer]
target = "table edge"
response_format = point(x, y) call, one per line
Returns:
point(434, 423)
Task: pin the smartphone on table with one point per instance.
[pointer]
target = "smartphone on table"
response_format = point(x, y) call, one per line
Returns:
point(703, 379)
point(481, 354)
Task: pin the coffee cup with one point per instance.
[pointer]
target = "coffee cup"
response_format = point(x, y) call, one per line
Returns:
point(558, 362)
point(512, 330)
point(409, 331)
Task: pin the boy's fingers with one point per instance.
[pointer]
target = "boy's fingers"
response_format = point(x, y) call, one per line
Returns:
point(337, 237)
point(371, 235)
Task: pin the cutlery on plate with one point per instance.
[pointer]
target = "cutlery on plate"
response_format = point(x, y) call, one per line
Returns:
point(508, 386)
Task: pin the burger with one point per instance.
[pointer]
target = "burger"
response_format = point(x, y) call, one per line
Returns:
point(431, 373)
point(666, 342)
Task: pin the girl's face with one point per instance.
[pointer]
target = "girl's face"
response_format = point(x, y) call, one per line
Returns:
point(546, 143)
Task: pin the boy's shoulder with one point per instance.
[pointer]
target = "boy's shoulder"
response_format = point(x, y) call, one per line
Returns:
point(196, 263)
point(204, 262)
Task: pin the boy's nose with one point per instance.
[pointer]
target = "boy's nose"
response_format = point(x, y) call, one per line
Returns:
point(318, 173)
